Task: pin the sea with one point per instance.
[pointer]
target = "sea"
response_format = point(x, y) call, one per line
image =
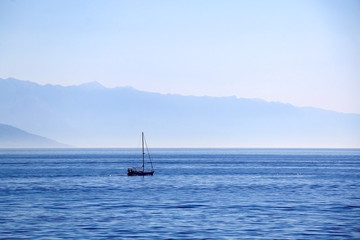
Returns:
point(194, 194)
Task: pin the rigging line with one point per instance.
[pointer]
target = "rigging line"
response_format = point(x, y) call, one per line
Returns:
point(147, 149)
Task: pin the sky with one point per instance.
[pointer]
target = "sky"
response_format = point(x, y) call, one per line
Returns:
point(302, 52)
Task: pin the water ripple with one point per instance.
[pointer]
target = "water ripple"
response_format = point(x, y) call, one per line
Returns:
point(194, 194)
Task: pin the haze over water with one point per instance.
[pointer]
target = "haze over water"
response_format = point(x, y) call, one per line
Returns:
point(194, 194)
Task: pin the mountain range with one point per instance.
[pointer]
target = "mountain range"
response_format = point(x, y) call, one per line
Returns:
point(11, 137)
point(91, 115)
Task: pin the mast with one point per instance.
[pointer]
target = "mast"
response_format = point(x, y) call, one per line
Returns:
point(143, 152)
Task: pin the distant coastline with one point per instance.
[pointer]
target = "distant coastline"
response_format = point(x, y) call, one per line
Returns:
point(12, 137)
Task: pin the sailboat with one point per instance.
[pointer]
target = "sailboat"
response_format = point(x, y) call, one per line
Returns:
point(140, 171)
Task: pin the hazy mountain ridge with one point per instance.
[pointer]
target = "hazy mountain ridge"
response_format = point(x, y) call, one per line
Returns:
point(12, 137)
point(92, 115)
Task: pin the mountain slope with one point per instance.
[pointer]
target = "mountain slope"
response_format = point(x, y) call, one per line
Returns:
point(92, 115)
point(11, 137)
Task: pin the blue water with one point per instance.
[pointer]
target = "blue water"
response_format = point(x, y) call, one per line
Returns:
point(194, 194)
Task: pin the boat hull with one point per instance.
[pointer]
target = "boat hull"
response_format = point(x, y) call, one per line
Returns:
point(139, 173)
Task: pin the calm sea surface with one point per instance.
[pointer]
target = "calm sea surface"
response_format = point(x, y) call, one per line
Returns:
point(194, 194)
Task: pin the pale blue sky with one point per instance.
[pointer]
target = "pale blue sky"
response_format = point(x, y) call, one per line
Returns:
point(306, 53)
